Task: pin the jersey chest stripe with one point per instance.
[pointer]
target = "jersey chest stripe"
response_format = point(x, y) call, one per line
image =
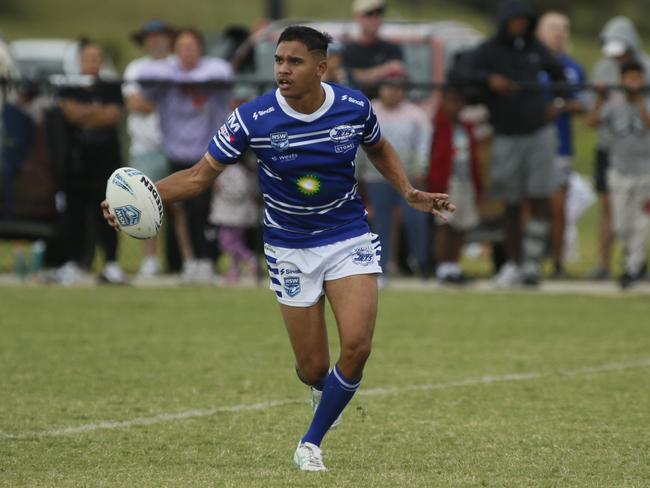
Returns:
point(306, 134)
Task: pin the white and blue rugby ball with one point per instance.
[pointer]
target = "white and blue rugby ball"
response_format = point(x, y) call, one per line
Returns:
point(134, 202)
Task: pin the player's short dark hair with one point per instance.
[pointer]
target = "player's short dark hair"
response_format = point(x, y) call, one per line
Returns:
point(632, 65)
point(313, 39)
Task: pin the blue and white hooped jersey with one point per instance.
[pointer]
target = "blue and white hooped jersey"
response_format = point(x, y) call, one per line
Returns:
point(305, 163)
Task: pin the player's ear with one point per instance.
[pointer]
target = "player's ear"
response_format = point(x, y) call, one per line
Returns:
point(321, 67)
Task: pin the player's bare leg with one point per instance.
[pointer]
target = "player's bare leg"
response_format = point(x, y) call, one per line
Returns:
point(354, 303)
point(308, 336)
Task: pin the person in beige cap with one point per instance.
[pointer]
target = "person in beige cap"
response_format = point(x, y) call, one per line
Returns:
point(370, 58)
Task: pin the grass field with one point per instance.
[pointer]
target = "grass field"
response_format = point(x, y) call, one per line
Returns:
point(195, 387)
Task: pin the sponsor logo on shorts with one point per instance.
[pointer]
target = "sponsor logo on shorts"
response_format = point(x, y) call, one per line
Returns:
point(121, 183)
point(291, 285)
point(363, 256)
point(343, 148)
point(127, 215)
point(279, 141)
point(342, 133)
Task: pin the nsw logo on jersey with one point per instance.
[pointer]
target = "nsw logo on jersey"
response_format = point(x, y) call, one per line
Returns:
point(342, 133)
point(280, 141)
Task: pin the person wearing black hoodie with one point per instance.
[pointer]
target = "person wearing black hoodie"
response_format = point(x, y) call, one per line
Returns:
point(508, 66)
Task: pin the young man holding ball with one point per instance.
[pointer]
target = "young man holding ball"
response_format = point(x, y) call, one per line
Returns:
point(316, 236)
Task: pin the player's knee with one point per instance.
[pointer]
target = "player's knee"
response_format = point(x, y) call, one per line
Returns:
point(313, 372)
point(357, 352)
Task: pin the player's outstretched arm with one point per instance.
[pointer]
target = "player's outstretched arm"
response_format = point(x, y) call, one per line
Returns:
point(385, 159)
point(182, 185)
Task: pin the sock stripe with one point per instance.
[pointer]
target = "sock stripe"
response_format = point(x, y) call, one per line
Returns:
point(344, 383)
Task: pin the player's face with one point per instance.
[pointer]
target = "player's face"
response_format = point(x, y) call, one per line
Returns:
point(91, 59)
point(297, 70)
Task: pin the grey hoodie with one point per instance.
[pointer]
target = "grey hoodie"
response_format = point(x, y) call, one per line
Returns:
point(608, 70)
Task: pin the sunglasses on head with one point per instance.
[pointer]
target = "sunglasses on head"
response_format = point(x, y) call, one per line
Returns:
point(374, 12)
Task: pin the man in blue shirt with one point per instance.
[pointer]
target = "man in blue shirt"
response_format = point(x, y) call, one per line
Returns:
point(317, 241)
point(554, 31)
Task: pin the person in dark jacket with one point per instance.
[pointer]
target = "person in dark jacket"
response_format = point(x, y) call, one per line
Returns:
point(522, 170)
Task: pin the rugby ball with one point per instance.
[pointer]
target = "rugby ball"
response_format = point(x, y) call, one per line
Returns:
point(134, 202)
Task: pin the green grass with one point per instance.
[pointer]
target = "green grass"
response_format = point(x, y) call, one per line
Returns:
point(72, 357)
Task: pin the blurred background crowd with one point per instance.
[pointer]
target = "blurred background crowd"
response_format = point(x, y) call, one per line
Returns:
point(483, 113)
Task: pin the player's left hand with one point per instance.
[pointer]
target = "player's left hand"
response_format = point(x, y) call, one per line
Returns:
point(434, 203)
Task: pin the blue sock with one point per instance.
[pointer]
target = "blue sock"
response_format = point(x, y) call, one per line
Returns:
point(337, 392)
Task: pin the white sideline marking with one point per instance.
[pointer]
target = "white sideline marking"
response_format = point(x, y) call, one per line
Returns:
point(244, 407)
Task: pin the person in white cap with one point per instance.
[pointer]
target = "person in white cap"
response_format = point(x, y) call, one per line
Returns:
point(620, 43)
point(369, 58)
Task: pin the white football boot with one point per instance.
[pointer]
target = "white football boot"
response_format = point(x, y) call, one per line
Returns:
point(308, 457)
point(315, 400)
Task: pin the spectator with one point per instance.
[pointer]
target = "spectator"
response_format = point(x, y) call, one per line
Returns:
point(620, 43)
point(408, 129)
point(335, 72)
point(93, 113)
point(370, 58)
point(554, 30)
point(454, 170)
point(524, 144)
point(626, 117)
point(234, 211)
point(190, 103)
point(145, 152)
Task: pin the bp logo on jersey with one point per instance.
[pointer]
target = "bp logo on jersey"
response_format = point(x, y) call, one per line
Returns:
point(280, 141)
point(292, 285)
point(342, 133)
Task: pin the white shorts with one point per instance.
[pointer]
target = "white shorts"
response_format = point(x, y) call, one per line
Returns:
point(298, 275)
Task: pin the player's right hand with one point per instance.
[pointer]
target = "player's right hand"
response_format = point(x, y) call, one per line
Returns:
point(110, 218)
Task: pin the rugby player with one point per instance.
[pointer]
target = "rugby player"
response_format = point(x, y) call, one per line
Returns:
point(316, 237)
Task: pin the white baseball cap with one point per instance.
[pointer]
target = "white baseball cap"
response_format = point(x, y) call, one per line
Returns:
point(614, 48)
point(362, 6)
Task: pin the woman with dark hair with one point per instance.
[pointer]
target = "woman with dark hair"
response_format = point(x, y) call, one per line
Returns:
point(92, 113)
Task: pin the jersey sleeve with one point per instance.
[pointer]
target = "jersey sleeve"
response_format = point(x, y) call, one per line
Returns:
point(371, 131)
point(230, 141)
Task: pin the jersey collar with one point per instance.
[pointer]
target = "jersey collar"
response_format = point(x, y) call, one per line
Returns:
point(329, 100)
